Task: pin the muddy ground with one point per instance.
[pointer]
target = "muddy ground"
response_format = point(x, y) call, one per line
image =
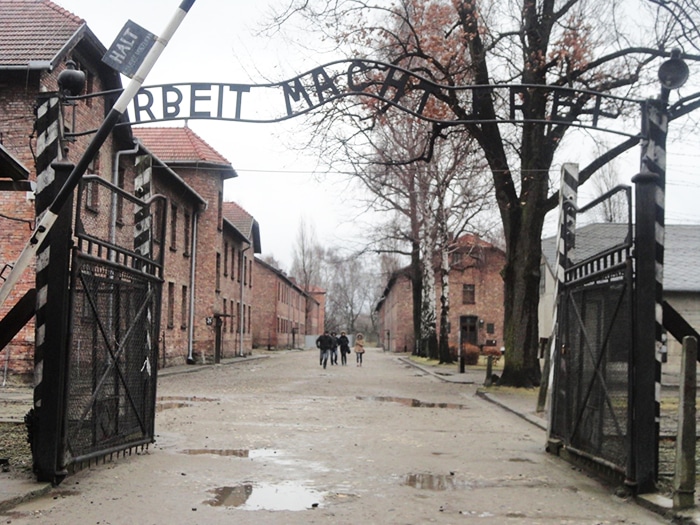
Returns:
point(281, 440)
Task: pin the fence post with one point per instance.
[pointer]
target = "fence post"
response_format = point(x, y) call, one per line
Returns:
point(684, 475)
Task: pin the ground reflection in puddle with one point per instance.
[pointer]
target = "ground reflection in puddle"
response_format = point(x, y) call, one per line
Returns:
point(411, 402)
point(434, 482)
point(239, 453)
point(167, 402)
point(266, 496)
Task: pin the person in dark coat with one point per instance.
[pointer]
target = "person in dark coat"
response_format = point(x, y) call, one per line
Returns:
point(344, 344)
point(334, 349)
point(324, 344)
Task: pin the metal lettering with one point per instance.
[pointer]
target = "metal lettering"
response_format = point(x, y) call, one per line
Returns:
point(195, 97)
point(171, 108)
point(139, 107)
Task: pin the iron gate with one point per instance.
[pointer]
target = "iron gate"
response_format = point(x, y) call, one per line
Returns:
point(591, 404)
point(112, 352)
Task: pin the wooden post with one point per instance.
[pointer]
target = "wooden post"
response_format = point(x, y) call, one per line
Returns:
point(684, 476)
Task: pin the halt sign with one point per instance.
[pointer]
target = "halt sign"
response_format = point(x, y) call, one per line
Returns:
point(129, 49)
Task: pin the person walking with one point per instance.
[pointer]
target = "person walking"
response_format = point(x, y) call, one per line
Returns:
point(359, 348)
point(344, 344)
point(334, 349)
point(324, 344)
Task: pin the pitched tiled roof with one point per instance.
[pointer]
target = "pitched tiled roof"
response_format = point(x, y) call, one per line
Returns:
point(33, 33)
point(180, 146)
point(681, 248)
point(10, 167)
point(243, 222)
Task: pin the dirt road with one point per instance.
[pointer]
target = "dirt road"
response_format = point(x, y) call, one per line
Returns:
point(280, 440)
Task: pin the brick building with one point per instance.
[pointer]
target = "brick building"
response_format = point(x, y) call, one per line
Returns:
point(476, 299)
point(37, 40)
point(208, 286)
point(206, 307)
point(283, 313)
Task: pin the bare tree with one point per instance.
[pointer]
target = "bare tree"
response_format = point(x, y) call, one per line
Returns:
point(308, 257)
point(585, 46)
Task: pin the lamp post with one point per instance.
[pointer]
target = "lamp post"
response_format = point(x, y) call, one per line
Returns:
point(645, 369)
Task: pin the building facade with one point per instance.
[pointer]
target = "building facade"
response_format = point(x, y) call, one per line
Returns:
point(476, 297)
point(283, 313)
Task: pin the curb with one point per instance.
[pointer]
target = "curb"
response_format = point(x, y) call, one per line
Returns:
point(41, 490)
point(446, 379)
point(527, 417)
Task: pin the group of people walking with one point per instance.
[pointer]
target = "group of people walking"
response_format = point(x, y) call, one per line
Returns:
point(328, 344)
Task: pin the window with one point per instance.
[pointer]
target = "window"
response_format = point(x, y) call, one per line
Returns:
point(456, 257)
point(120, 197)
point(233, 262)
point(183, 308)
point(220, 211)
point(223, 328)
point(171, 304)
point(238, 317)
point(250, 272)
point(173, 227)
point(218, 272)
point(245, 270)
point(157, 221)
point(468, 294)
point(92, 191)
point(225, 259)
point(186, 240)
point(490, 328)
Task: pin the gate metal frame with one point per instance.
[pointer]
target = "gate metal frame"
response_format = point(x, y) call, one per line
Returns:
point(592, 410)
point(98, 392)
point(121, 312)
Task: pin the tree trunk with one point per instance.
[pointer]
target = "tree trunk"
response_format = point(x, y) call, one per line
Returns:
point(417, 292)
point(444, 343)
point(522, 282)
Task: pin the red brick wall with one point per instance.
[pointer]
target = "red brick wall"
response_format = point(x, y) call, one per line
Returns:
point(208, 301)
point(396, 315)
point(279, 307)
point(18, 98)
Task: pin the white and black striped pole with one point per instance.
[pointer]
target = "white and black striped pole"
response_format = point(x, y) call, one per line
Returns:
point(566, 235)
point(650, 187)
point(113, 117)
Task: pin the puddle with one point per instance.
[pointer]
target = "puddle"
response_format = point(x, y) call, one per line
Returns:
point(407, 401)
point(239, 453)
point(168, 402)
point(434, 482)
point(266, 496)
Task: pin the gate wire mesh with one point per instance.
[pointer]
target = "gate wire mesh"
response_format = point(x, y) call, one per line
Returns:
point(112, 355)
point(592, 364)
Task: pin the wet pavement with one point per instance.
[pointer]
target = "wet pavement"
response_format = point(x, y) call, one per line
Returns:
point(270, 438)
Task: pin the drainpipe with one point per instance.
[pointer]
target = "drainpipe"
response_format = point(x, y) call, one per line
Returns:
point(115, 181)
point(240, 320)
point(190, 323)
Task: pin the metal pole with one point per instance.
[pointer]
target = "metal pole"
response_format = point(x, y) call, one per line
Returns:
point(115, 114)
point(649, 246)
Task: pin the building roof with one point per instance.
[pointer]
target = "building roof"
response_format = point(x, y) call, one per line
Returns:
point(244, 223)
point(282, 276)
point(681, 248)
point(10, 167)
point(34, 33)
point(182, 146)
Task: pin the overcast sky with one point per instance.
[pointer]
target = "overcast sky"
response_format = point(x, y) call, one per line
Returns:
point(218, 42)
